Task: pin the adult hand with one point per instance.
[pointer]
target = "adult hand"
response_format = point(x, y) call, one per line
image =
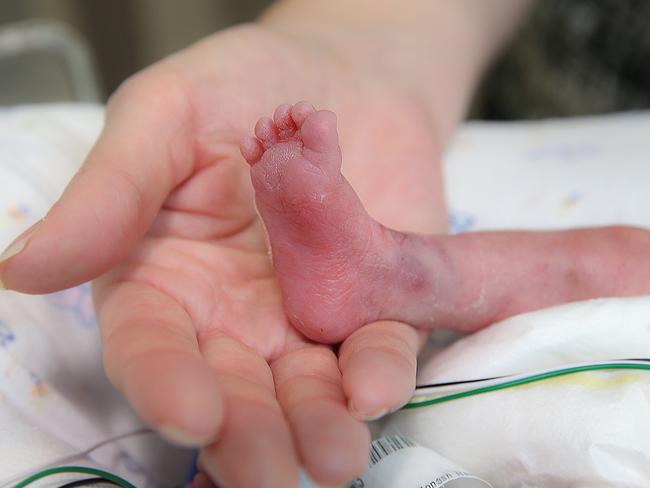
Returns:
point(190, 311)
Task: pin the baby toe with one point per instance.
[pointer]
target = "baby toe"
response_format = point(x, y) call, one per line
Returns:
point(282, 117)
point(300, 111)
point(251, 148)
point(319, 133)
point(266, 131)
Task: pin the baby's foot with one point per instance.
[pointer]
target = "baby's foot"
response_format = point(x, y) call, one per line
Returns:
point(338, 268)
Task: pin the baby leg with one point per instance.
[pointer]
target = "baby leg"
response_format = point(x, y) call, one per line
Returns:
point(339, 269)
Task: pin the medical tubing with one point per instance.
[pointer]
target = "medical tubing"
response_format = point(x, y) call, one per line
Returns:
point(74, 469)
point(525, 380)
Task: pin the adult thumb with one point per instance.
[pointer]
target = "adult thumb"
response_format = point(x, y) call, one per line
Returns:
point(143, 152)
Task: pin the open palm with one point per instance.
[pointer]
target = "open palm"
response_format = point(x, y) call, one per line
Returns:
point(191, 314)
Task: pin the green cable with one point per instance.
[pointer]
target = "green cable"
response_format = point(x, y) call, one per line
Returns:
point(523, 381)
point(75, 469)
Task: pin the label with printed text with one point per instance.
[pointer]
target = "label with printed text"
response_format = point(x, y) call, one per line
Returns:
point(397, 461)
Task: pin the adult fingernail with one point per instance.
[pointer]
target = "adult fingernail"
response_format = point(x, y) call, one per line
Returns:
point(17, 246)
point(19, 243)
point(182, 438)
point(367, 416)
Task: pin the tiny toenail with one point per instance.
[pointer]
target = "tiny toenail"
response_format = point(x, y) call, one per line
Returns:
point(182, 438)
point(19, 243)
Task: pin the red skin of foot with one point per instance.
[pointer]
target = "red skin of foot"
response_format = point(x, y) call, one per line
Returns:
point(339, 269)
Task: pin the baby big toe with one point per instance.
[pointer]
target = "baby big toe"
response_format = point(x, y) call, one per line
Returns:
point(319, 133)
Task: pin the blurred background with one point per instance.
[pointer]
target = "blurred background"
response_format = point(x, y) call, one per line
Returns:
point(105, 40)
point(572, 57)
